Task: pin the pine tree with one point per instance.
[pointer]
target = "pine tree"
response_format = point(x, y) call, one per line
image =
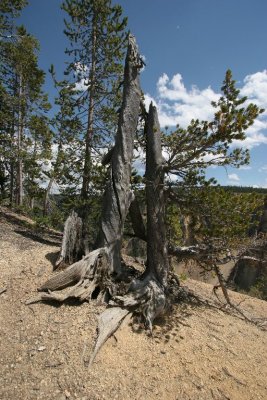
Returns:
point(25, 105)
point(66, 163)
point(96, 31)
point(9, 10)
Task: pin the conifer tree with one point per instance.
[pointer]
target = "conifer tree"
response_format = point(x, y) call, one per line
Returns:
point(24, 105)
point(9, 10)
point(66, 163)
point(96, 31)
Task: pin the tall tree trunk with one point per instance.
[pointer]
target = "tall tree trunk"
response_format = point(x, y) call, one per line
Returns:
point(47, 195)
point(32, 202)
point(19, 199)
point(118, 195)
point(11, 198)
point(157, 255)
point(148, 295)
point(90, 120)
point(12, 163)
point(84, 213)
point(95, 270)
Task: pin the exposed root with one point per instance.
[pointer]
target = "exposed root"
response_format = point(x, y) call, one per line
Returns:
point(108, 323)
point(87, 276)
point(146, 297)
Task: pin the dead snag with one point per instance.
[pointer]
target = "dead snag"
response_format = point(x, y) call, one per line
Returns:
point(118, 196)
point(148, 295)
point(92, 273)
point(71, 248)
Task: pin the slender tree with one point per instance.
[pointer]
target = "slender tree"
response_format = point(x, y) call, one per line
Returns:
point(66, 164)
point(26, 105)
point(96, 31)
point(9, 10)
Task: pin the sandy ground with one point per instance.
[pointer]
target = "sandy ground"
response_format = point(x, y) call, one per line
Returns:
point(197, 352)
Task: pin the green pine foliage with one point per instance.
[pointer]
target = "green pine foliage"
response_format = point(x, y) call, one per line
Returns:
point(97, 36)
point(206, 143)
point(24, 133)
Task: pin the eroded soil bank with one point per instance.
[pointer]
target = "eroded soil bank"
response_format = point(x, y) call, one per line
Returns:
point(196, 353)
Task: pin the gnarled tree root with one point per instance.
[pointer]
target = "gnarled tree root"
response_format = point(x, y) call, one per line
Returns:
point(89, 277)
point(108, 323)
point(146, 297)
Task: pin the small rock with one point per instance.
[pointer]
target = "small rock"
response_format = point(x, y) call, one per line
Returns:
point(41, 348)
point(168, 336)
point(163, 351)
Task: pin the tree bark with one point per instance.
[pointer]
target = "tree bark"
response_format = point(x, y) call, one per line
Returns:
point(11, 198)
point(148, 295)
point(157, 255)
point(19, 199)
point(88, 144)
point(118, 195)
point(137, 220)
point(71, 248)
point(47, 195)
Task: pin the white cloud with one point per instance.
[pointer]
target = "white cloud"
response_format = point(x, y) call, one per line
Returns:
point(245, 167)
point(82, 73)
point(252, 140)
point(179, 105)
point(263, 168)
point(255, 88)
point(234, 177)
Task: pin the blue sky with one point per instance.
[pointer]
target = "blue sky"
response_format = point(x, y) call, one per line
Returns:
point(188, 45)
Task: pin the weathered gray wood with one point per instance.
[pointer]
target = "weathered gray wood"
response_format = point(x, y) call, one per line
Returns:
point(74, 273)
point(86, 275)
point(72, 245)
point(148, 296)
point(108, 323)
point(118, 196)
point(137, 220)
point(117, 199)
point(157, 255)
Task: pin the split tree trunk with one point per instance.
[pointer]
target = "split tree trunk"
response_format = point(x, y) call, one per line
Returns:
point(137, 220)
point(92, 276)
point(157, 255)
point(118, 196)
point(149, 294)
point(90, 272)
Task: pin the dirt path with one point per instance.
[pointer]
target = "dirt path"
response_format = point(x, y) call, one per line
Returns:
point(196, 353)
